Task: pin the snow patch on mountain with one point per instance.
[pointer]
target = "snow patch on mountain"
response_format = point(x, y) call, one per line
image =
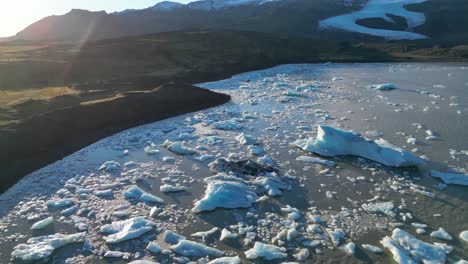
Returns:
point(379, 9)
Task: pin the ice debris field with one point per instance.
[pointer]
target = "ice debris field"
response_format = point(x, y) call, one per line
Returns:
point(306, 164)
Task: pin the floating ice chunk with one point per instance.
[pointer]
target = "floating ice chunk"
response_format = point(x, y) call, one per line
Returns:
point(265, 251)
point(420, 251)
point(349, 248)
point(127, 229)
point(43, 223)
point(189, 248)
point(464, 235)
point(114, 254)
point(336, 235)
point(42, 247)
point(179, 148)
point(431, 135)
point(384, 207)
point(110, 166)
point(442, 234)
point(143, 261)
point(226, 234)
point(451, 178)
point(187, 136)
point(59, 203)
point(151, 149)
point(226, 260)
point(226, 192)
point(104, 193)
point(172, 238)
point(205, 157)
point(332, 141)
point(266, 160)
point(167, 188)
point(384, 87)
point(308, 159)
point(231, 124)
point(246, 139)
point(372, 248)
point(255, 150)
point(211, 140)
point(135, 192)
point(302, 255)
point(204, 234)
point(70, 211)
point(400, 255)
point(153, 248)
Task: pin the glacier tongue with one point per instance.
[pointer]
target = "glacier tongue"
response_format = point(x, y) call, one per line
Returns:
point(332, 141)
point(42, 247)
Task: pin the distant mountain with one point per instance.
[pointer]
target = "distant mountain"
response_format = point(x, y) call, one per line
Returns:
point(338, 19)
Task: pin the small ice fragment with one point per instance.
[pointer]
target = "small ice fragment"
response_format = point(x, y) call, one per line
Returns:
point(266, 160)
point(43, 223)
point(226, 260)
point(113, 254)
point(59, 203)
point(336, 235)
point(442, 234)
point(135, 192)
point(383, 87)
point(42, 247)
point(153, 248)
point(204, 234)
point(255, 150)
point(384, 207)
point(189, 248)
point(125, 230)
point(332, 141)
point(329, 195)
point(308, 159)
point(151, 149)
point(231, 124)
point(179, 148)
point(349, 248)
point(226, 234)
point(265, 251)
point(246, 139)
point(110, 166)
point(464, 235)
point(167, 188)
point(372, 248)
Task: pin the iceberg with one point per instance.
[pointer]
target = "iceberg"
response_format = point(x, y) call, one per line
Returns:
point(464, 235)
point(451, 178)
point(226, 234)
point(125, 230)
point(372, 248)
point(349, 248)
point(442, 234)
point(43, 223)
point(384, 207)
point(204, 234)
point(38, 248)
point(332, 142)
point(59, 203)
point(225, 191)
point(412, 250)
point(255, 150)
point(135, 192)
point(336, 235)
point(231, 124)
point(265, 251)
point(189, 248)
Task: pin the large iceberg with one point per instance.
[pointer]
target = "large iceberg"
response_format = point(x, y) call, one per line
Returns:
point(408, 249)
point(125, 230)
point(189, 248)
point(42, 247)
point(332, 141)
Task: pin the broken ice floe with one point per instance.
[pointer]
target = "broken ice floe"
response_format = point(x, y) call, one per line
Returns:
point(38, 248)
point(43, 223)
point(332, 141)
point(408, 249)
point(308, 159)
point(384, 87)
point(135, 192)
point(265, 251)
point(451, 178)
point(189, 248)
point(179, 148)
point(127, 229)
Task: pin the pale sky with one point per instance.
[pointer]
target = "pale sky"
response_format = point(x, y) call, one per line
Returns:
point(15, 15)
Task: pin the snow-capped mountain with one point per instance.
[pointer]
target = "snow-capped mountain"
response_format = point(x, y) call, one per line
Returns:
point(339, 19)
